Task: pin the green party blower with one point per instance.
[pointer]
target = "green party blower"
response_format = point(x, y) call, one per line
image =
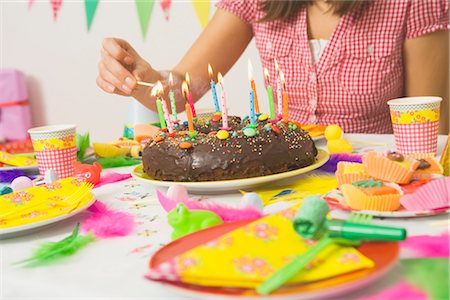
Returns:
point(311, 223)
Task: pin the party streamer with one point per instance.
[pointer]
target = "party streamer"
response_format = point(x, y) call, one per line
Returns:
point(202, 10)
point(30, 3)
point(166, 5)
point(90, 8)
point(56, 6)
point(144, 8)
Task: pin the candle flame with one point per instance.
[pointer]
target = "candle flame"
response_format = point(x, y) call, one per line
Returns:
point(220, 78)
point(187, 79)
point(266, 75)
point(185, 89)
point(250, 70)
point(210, 71)
point(170, 79)
point(157, 89)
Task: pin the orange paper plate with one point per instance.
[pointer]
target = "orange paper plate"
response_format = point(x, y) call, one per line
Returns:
point(383, 254)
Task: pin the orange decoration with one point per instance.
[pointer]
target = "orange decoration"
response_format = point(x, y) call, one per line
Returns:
point(185, 145)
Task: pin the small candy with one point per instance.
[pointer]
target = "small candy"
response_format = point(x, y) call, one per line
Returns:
point(234, 134)
point(212, 133)
point(158, 139)
point(423, 164)
point(182, 133)
point(216, 118)
point(223, 134)
point(394, 156)
point(178, 193)
point(5, 190)
point(207, 122)
point(268, 125)
point(263, 117)
point(50, 176)
point(249, 131)
point(21, 183)
point(185, 123)
point(185, 145)
point(252, 199)
point(276, 129)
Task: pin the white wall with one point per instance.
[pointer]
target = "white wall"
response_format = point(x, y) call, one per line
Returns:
point(60, 58)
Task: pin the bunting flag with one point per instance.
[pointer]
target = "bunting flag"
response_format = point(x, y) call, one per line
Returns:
point(30, 3)
point(56, 6)
point(144, 8)
point(90, 8)
point(202, 8)
point(165, 5)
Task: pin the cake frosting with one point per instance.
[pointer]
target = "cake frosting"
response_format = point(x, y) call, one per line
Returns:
point(243, 151)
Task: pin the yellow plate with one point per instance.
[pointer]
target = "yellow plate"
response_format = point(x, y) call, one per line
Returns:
point(211, 187)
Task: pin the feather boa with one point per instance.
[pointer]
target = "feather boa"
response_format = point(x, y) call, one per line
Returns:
point(9, 175)
point(104, 223)
point(331, 165)
point(226, 212)
point(118, 161)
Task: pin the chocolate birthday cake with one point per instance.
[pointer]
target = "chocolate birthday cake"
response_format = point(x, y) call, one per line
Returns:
point(245, 150)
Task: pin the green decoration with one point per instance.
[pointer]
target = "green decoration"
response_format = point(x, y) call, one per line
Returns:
point(52, 251)
point(118, 161)
point(428, 274)
point(83, 142)
point(144, 8)
point(185, 221)
point(90, 8)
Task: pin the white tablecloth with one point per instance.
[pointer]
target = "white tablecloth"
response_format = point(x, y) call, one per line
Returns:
point(114, 268)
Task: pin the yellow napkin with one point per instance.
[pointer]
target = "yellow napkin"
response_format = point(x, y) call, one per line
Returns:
point(44, 202)
point(17, 161)
point(248, 255)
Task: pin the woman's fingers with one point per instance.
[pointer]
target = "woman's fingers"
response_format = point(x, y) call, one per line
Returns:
point(108, 87)
point(118, 49)
point(127, 82)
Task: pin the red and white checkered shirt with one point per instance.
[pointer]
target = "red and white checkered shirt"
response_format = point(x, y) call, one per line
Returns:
point(360, 69)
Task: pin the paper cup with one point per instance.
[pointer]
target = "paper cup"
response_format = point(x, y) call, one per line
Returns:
point(415, 121)
point(55, 148)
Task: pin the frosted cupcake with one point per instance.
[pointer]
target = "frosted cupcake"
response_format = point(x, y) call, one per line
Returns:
point(392, 166)
point(372, 195)
point(348, 172)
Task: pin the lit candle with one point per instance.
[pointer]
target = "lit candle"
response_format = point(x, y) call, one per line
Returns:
point(224, 103)
point(279, 91)
point(213, 88)
point(155, 93)
point(252, 108)
point(253, 85)
point(189, 95)
point(269, 94)
point(285, 99)
point(185, 89)
point(165, 110)
point(173, 104)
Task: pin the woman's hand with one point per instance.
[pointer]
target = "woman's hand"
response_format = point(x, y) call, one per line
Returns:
point(121, 67)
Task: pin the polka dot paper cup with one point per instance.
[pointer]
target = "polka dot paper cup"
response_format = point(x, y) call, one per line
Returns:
point(415, 121)
point(55, 148)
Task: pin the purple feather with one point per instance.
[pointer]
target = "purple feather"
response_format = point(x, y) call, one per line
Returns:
point(9, 175)
point(331, 165)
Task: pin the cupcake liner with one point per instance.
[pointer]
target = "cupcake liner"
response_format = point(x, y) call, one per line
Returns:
point(435, 194)
point(357, 199)
point(348, 178)
point(382, 168)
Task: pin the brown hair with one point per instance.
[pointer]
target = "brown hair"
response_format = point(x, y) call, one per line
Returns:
point(287, 9)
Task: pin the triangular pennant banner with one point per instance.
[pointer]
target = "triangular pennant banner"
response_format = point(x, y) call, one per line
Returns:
point(202, 8)
point(30, 3)
point(165, 5)
point(144, 8)
point(90, 8)
point(56, 6)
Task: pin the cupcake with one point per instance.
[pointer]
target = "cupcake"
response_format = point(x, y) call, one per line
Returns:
point(433, 195)
point(372, 195)
point(392, 167)
point(428, 167)
point(348, 172)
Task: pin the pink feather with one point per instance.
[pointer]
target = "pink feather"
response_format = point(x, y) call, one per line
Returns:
point(111, 178)
point(226, 212)
point(402, 290)
point(428, 246)
point(104, 223)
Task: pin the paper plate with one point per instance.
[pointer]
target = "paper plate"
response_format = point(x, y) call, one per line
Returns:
point(23, 229)
point(383, 254)
point(206, 187)
point(335, 198)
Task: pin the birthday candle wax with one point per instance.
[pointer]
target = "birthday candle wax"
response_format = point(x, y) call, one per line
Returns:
point(279, 90)
point(162, 121)
point(285, 100)
point(173, 104)
point(224, 104)
point(189, 117)
point(252, 108)
point(270, 95)
point(213, 89)
point(253, 85)
point(167, 116)
point(189, 96)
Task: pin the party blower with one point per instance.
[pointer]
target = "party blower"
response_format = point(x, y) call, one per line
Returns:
point(311, 223)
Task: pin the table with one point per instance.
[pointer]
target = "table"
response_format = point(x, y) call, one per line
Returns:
point(114, 268)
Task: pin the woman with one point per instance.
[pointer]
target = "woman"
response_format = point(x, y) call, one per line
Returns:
point(342, 60)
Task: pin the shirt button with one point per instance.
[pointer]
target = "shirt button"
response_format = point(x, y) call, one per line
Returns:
point(312, 77)
point(313, 102)
point(269, 45)
point(370, 49)
point(312, 119)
